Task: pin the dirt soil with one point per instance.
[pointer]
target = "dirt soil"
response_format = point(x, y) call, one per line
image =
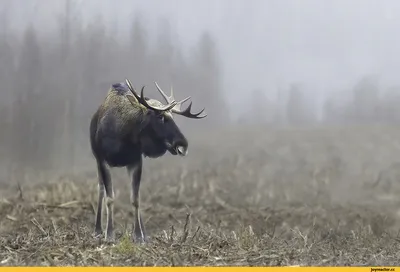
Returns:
point(249, 197)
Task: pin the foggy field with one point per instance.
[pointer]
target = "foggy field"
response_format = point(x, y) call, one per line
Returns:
point(296, 163)
point(321, 196)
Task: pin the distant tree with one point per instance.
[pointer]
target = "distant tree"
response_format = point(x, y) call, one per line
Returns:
point(366, 100)
point(258, 102)
point(261, 109)
point(389, 105)
point(66, 30)
point(7, 70)
point(297, 108)
point(329, 111)
point(164, 55)
point(280, 117)
point(334, 111)
point(7, 52)
point(7, 91)
point(30, 63)
point(137, 56)
point(207, 79)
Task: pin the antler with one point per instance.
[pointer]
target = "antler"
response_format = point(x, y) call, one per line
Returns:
point(143, 101)
point(177, 108)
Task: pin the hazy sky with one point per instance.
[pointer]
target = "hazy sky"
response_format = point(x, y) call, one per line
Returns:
point(327, 45)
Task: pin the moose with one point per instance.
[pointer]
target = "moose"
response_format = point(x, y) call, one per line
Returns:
point(125, 128)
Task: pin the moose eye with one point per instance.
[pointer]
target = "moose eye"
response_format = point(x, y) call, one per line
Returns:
point(161, 117)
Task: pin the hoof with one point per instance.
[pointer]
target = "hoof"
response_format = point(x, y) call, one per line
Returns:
point(140, 240)
point(110, 241)
point(110, 238)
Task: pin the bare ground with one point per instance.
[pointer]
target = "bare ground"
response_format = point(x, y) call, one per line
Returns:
point(308, 197)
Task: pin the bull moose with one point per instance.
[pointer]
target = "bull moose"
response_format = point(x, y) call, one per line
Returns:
point(124, 129)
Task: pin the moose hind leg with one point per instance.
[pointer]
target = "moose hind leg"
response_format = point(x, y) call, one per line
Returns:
point(138, 230)
point(109, 201)
point(98, 229)
point(101, 177)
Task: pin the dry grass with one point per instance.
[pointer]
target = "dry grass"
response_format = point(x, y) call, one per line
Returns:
point(321, 197)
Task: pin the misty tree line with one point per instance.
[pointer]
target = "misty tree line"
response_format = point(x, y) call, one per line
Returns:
point(52, 83)
point(365, 103)
point(369, 103)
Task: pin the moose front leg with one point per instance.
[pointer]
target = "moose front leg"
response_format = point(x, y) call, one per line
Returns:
point(136, 174)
